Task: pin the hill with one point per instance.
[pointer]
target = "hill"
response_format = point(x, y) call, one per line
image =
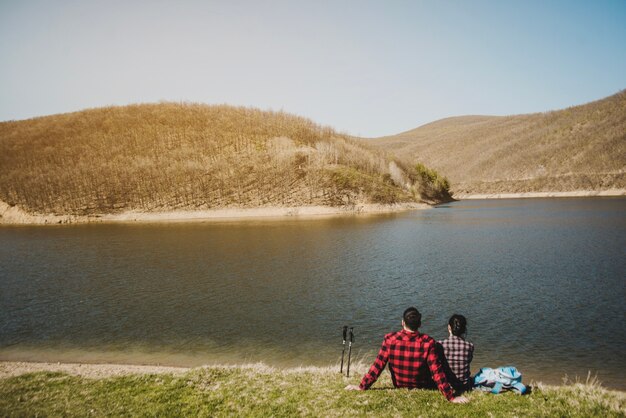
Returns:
point(578, 148)
point(172, 156)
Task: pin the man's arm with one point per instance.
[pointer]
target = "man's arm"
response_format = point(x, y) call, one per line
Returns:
point(437, 371)
point(377, 368)
point(450, 376)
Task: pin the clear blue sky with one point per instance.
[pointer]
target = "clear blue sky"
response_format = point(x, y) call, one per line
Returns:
point(366, 68)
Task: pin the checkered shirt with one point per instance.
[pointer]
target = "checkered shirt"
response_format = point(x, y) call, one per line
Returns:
point(459, 354)
point(413, 363)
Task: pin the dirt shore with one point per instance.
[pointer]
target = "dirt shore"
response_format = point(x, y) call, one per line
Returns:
point(104, 370)
point(14, 215)
point(578, 193)
point(16, 368)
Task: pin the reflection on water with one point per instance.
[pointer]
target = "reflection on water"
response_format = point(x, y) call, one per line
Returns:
point(540, 280)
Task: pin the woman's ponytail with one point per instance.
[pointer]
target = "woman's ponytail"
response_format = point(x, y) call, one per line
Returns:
point(458, 325)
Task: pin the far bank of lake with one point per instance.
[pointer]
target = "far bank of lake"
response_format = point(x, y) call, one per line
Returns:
point(526, 195)
point(13, 215)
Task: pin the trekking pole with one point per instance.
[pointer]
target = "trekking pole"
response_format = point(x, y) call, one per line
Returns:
point(350, 350)
point(343, 351)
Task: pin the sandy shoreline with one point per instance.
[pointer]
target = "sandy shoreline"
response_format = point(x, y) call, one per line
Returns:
point(105, 370)
point(578, 193)
point(16, 368)
point(14, 215)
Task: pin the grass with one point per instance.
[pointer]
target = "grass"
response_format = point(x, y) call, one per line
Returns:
point(173, 156)
point(578, 148)
point(263, 391)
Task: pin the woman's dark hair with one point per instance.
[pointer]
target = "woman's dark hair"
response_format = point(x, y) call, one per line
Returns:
point(412, 318)
point(458, 325)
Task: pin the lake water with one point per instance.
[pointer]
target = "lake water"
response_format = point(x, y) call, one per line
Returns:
point(541, 281)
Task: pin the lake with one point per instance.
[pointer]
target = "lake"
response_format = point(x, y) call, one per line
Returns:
point(541, 281)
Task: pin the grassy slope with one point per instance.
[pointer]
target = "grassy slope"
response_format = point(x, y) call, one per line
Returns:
point(186, 156)
point(266, 392)
point(579, 148)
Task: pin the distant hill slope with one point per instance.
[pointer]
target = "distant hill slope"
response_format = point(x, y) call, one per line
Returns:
point(579, 148)
point(159, 157)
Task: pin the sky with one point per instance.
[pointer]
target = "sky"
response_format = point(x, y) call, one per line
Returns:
point(367, 68)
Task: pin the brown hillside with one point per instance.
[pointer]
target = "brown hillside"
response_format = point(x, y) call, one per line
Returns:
point(159, 157)
point(579, 148)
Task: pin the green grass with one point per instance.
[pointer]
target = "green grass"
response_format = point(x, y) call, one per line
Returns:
point(260, 391)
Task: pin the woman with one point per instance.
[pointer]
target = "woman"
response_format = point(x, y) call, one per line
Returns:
point(458, 353)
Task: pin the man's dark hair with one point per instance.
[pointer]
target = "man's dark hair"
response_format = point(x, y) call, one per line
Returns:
point(412, 318)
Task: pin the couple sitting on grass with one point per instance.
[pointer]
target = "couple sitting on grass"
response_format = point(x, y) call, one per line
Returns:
point(418, 361)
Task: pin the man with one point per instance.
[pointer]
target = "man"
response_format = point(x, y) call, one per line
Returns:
point(413, 360)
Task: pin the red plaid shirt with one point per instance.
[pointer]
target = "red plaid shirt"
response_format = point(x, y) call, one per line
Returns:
point(413, 363)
